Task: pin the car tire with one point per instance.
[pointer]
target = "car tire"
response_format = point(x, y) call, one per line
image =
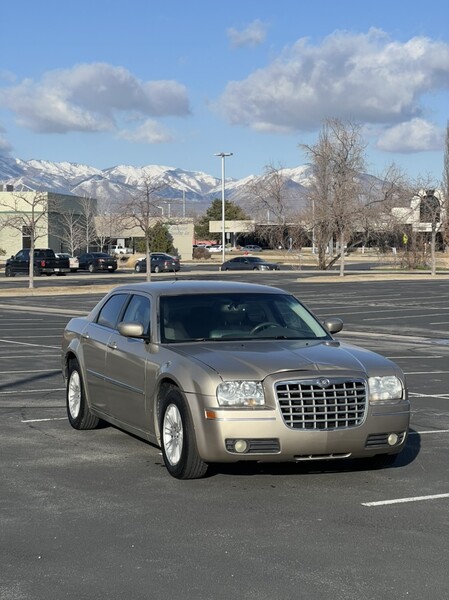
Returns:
point(37, 273)
point(9, 272)
point(137, 268)
point(157, 269)
point(91, 268)
point(78, 411)
point(178, 442)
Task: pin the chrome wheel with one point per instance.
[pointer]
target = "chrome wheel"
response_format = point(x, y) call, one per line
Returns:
point(173, 434)
point(177, 436)
point(74, 394)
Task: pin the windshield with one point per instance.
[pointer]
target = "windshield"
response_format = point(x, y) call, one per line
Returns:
point(214, 317)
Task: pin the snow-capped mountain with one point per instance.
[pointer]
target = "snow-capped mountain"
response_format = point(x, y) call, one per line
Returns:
point(116, 183)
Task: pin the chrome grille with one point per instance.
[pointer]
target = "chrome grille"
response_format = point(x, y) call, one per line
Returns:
point(322, 404)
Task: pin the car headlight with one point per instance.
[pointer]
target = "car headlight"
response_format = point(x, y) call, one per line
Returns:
point(240, 393)
point(383, 389)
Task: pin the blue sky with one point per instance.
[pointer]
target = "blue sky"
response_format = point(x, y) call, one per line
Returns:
point(173, 82)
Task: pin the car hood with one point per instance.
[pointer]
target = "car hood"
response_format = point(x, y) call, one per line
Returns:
point(257, 359)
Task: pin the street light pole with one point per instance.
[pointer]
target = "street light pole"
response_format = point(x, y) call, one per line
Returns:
point(223, 221)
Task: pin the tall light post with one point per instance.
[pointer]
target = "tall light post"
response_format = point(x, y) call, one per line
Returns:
point(223, 222)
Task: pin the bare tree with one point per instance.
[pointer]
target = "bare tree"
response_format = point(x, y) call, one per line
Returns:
point(89, 211)
point(29, 216)
point(445, 189)
point(141, 209)
point(72, 234)
point(337, 160)
point(269, 202)
point(431, 213)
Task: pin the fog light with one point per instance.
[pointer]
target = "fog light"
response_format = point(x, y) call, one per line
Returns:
point(240, 446)
point(392, 439)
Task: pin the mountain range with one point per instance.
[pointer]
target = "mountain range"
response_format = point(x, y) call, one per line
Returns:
point(114, 184)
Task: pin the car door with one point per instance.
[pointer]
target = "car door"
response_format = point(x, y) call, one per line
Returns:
point(82, 259)
point(125, 367)
point(94, 342)
point(236, 263)
point(21, 262)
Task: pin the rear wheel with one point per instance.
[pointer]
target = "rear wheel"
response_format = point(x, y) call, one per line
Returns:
point(78, 411)
point(91, 268)
point(138, 268)
point(157, 269)
point(178, 438)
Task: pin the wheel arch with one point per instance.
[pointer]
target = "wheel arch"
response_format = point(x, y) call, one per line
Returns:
point(163, 384)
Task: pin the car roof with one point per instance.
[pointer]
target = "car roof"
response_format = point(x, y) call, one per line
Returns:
point(176, 287)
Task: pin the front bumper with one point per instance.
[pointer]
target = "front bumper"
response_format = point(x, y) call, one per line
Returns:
point(270, 439)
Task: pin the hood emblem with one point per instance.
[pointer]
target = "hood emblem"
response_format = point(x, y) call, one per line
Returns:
point(323, 383)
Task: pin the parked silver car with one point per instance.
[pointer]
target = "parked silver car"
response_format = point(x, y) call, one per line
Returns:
point(227, 372)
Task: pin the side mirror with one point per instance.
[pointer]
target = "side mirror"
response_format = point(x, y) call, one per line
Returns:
point(131, 329)
point(333, 325)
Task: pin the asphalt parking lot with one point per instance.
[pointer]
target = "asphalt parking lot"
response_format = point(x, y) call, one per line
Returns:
point(94, 514)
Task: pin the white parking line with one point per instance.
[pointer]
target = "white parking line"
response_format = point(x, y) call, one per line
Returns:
point(417, 395)
point(429, 431)
point(40, 420)
point(36, 371)
point(403, 500)
point(424, 372)
point(34, 391)
point(28, 344)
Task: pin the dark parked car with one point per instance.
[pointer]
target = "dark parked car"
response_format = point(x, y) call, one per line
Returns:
point(251, 248)
point(248, 263)
point(97, 261)
point(159, 262)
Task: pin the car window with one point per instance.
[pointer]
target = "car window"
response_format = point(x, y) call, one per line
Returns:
point(138, 310)
point(110, 312)
point(236, 316)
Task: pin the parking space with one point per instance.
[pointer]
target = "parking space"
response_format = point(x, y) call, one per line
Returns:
point(94, 514)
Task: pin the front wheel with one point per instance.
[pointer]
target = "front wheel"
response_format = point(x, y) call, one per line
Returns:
point(178, 438)
point(138, 268)
point(9, 272)
point(157, 269)
point(91, 268)
point(78, 410)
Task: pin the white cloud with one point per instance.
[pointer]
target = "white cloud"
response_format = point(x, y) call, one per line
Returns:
point(253, 35)
point(149, 132)
point(5, 146)
point(89, 97)
point(416, 135)
point(363, 77)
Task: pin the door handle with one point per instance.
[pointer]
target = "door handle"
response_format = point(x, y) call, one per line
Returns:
point(112, 346)
point(85, 336)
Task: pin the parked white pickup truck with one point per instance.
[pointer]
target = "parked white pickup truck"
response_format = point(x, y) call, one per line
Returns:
point(120, 250)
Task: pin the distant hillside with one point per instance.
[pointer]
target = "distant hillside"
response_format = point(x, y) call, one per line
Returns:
point(115, 183)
